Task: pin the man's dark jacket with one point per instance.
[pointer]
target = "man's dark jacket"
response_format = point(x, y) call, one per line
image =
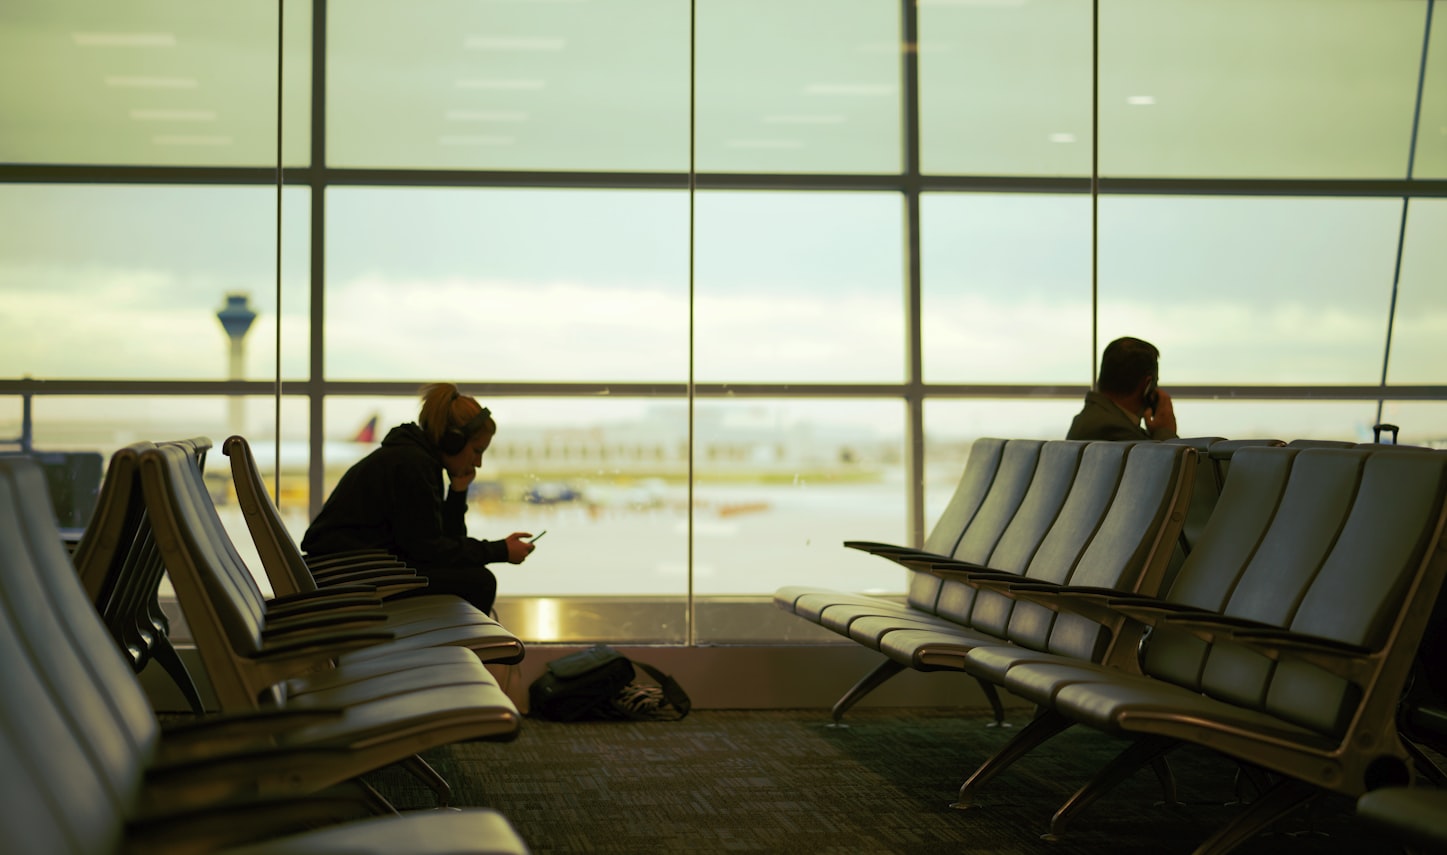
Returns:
point(392, 499)
point(1102, 418)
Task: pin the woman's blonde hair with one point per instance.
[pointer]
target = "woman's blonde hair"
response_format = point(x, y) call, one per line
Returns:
point(444, 408)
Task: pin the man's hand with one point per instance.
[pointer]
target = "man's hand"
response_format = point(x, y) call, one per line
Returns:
point(1161, 422)
point(518, 549)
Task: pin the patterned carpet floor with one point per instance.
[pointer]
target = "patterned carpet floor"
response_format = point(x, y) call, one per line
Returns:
point(782, 781)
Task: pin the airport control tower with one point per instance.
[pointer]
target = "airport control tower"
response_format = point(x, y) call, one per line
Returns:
point(236, 317)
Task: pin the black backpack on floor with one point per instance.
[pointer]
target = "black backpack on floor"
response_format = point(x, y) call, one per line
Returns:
point(599, 683)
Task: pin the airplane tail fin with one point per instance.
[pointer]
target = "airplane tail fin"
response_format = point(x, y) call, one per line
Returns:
point(368, 432)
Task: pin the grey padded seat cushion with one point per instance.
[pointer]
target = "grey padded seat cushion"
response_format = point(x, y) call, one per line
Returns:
point(989, 493)
point(1416, 815)
point(1142, 705)
point(959, 605)
point(927, 593)
point(1248, 504)
point(1095, 541)
point(475, 831)
point(1344, 544)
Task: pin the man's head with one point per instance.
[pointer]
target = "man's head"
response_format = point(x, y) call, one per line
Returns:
point(1127, 367)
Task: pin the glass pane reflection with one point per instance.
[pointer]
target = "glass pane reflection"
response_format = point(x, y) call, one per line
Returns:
point(799, 287)
point(125, 282)
point(459, 84)
point(163, 82)
point(1431, 160)
point(1005, 290)
point(1420, 422)
point(1419, 328)
point(777, 92)
point(1253, 290)
point(607, 478)
point(1258, 88)
point(530, 285)
point(780, 485)
point(1004, 87)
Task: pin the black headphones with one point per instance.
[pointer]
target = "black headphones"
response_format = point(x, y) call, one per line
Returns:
point(454, 439)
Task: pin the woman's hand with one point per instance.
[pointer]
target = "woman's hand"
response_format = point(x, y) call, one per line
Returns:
point(518, 549)
point(460, 478)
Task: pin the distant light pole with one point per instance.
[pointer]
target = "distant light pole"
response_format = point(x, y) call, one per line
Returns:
point(236, 317)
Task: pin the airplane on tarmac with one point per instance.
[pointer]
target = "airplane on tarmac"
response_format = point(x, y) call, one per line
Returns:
point(337, 454)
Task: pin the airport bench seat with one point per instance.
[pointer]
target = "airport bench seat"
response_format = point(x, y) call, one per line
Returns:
point(415, 621)
point(1115, 530)
point(1416, 816)
point(1048, 506)
point(974, 485)
point(1284, 642)
point(386, 709)
point(83, 755)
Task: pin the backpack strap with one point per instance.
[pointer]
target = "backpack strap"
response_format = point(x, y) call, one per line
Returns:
point(673, 694)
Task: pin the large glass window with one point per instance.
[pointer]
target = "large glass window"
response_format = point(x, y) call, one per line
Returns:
point(500, 285)
point(1005, 288)
point(607, 478)
point(1419, 330)
point(780, 485)
point(462, 84)
point(798, 287)
point(161, 82)
point(1344, 421)
point(669, 244)
point(778, 92)
point(1420, 422)
point(1431, 160)
point(1004, 88)
point(1251, 290)
point(1258, 88)
point(127, 282)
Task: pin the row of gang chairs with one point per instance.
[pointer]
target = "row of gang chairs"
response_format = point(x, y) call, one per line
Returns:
point(315, 688)
point(1282, 630)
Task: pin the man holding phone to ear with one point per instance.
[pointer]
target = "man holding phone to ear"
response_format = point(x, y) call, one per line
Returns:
point(1126, 403)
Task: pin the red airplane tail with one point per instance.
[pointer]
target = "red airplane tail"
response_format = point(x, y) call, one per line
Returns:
point(368, 432)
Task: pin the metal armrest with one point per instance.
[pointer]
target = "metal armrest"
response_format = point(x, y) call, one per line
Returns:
point(278, 612)
point(1087, 602)
point(331, 591)
point(950, 568)
point(280, 628)
point(1348, 661)
point(310, 647)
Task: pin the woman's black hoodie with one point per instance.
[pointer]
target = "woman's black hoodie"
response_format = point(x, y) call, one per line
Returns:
point(392, 499)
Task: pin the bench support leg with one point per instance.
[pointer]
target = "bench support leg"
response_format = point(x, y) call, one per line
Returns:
point(1040, 728)
point(994, 698)
point(1147, 750)
point(424, 772)
point(164, 653)
point(1286, 796)
point(1423, 765)
point(871, 681)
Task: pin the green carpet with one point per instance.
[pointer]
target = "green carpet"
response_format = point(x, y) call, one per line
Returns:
point(782, 781)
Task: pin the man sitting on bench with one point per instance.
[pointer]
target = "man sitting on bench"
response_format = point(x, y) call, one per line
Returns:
point(1125, 395)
